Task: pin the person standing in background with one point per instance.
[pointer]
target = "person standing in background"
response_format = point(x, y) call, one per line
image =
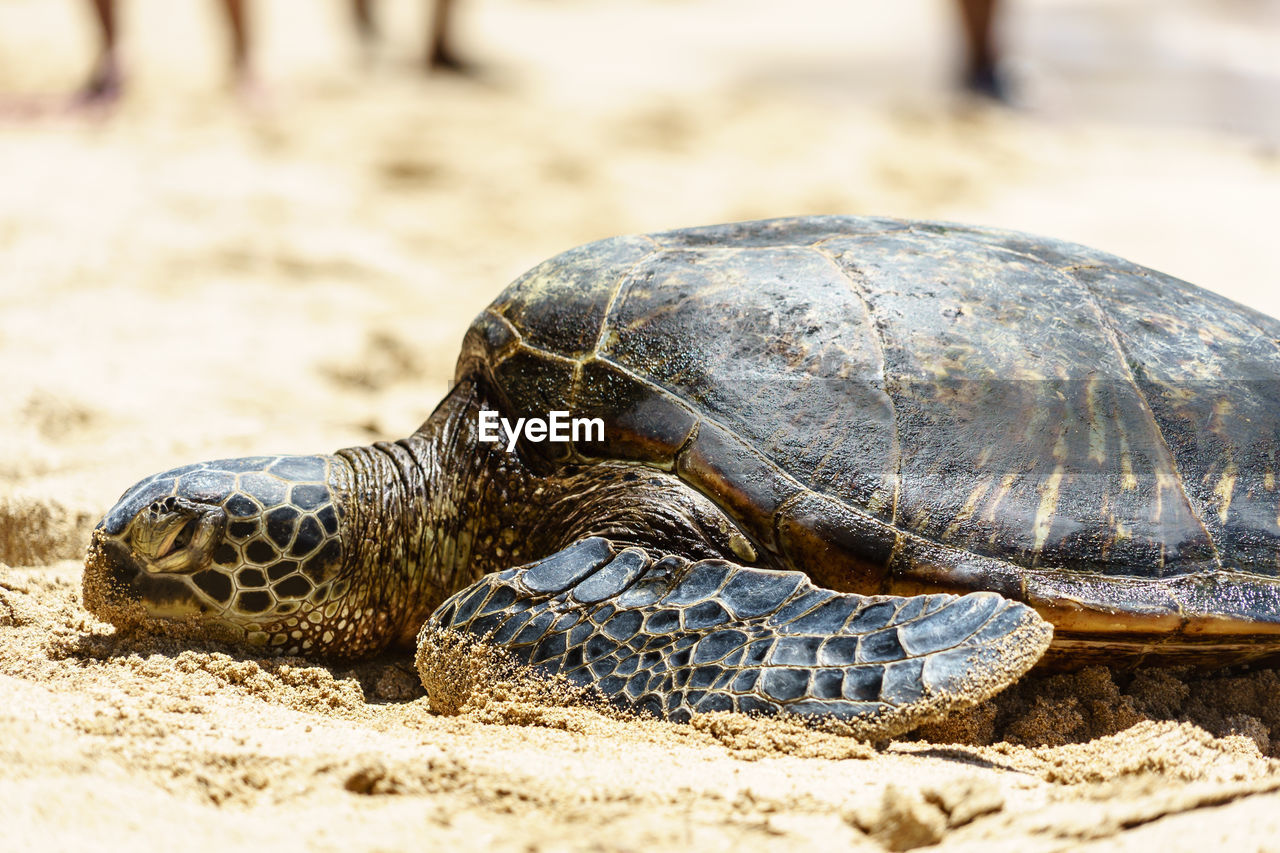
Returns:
point(106, 80)
point(440, 55)
point(981, 75)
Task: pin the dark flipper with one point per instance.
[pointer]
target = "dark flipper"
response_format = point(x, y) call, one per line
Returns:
point(676, 637)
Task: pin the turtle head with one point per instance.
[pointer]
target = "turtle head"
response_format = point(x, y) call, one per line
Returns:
point(247, 551)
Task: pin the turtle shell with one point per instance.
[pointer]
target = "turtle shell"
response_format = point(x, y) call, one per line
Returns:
point(1099, 436)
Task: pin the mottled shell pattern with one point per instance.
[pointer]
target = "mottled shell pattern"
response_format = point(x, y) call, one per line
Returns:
point(1105, 432)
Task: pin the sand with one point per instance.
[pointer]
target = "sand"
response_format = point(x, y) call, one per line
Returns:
point(187, 277)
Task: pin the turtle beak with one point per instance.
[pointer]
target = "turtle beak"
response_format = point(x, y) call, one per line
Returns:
point(117, 589)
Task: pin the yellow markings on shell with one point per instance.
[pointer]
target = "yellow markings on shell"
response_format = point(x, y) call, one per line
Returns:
point(1225, 490)
point(1006, 483)
point(984, 457)
point(954, 360)
point(1165, 481)
point(1211, 333)
point(1097, 435)
point(1221, 409)
point(1226, 486)
point(879, 499)
point(1048, 506)
point(1128, 482)
point(966, 511)
point(1033, 424)
point(1049, 495)
point(1060, 447)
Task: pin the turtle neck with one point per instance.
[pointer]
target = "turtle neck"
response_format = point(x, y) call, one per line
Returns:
point(434, 512)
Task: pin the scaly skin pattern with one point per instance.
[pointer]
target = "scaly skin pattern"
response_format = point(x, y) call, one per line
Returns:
point(252, 543)
point(674, 638)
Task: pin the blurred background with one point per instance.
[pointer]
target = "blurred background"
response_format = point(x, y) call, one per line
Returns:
point(203, 265)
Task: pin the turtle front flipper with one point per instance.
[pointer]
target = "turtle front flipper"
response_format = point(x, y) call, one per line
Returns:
point(676, 637)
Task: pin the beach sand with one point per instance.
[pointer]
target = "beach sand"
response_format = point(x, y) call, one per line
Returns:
point(189, 277)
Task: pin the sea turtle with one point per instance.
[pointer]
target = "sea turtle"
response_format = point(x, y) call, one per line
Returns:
point(815, 431)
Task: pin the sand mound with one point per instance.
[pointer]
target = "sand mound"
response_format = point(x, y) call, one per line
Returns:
point(1069, 708)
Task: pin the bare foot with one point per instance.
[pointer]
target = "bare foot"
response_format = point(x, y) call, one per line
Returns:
point(986, 82)
point(442, 58)
point(105, 85)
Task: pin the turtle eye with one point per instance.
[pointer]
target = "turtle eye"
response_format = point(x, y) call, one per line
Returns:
point(180, 540)
point(184, 535)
